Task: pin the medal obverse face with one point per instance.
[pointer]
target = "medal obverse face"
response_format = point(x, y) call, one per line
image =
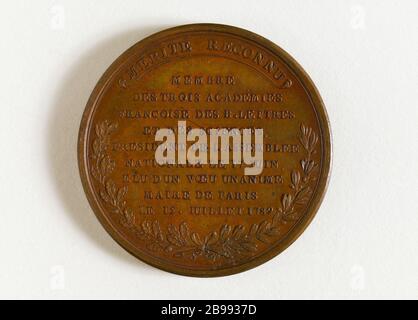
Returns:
point(205, 150)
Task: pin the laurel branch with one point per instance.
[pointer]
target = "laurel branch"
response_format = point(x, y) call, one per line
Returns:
point(229, 243)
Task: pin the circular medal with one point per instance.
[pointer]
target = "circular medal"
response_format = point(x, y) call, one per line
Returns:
point(205, 150)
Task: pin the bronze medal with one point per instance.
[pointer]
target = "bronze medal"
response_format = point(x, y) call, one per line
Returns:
point(243, 197)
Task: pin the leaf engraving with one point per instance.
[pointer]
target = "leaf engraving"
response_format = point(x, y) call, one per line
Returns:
point(229, 243)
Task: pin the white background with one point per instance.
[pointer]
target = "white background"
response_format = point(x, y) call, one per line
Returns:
point(363, 57)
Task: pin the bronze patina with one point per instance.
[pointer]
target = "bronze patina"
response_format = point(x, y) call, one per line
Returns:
point(204, 219)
